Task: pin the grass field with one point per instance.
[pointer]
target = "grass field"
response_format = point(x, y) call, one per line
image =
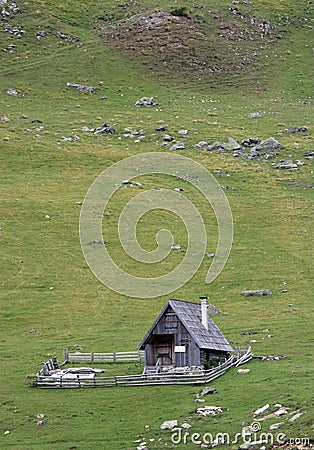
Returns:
point(49, 297)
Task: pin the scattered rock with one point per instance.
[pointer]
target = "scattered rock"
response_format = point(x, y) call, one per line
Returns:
point(40, 416)
point(169, 425)
point(231, 145)
point(258, 292)
point(295, 417)
point(41, 422)
point(81, 87)
point(282, 410)
point(275, 426)
point(131, 183)
point(68, 38)
point(97, 241)
point(292, 130)
point(201, 144)
point(209, 410)
point(175, 247)
point(186, 425)
point(6, 432)
point(13, 92)
point(261, 410)
point(103, 129)
point(142, 446)
point(255, 115)
point(166, 139)
point(268, 145)
point(250, 142)
point(243, 371)
point(146, 101)
point(180, 145)
point(207, 391)
point(161, 128)
point(287, 164)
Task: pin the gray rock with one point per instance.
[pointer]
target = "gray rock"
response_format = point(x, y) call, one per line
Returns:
point(250, 142)
point(215, 146)
point(41, 422)
point(232, 145)
point(209, 410)
point(243, 371)
point(167, 137)
point(82, 87)
point(259, 293)
point(287, 164)
point(161, 128)
point(13, 92)
point(295, 417)
point(268, 145)
point(255, 115)
point(180, 145)
point(261, 410)
point(200, 144)
point(292, 130)
point(146, 101)
point(275, 426)
point(169, 425)
point(207, 391)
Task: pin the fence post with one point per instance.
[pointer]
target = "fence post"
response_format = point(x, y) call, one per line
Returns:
point(92, 357)
point(114, 356)
point(65, 355)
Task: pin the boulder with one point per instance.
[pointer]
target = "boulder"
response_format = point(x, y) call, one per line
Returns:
point(146, 101)
point(268, 145)
point(231, 145)
point(287, 164)
point(169, 425)
point(258, 293)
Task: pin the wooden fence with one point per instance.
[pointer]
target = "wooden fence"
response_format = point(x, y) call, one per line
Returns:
point(194, 378)
point(103, 357)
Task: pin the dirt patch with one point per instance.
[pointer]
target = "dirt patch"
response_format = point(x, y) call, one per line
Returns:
point(180, 43)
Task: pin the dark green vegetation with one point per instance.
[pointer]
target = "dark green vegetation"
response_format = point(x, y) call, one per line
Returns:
point(49, 297)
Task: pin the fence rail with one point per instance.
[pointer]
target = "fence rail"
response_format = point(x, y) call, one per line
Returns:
point(194, 378)
point(103, 357)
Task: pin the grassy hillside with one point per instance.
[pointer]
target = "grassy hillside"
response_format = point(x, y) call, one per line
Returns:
point(49, 297)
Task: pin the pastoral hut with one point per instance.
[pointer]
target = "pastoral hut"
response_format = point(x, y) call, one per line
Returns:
point(184, 335)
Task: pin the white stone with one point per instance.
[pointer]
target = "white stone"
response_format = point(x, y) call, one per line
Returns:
point(243, 371)
point(261, 410)
point(169, 425)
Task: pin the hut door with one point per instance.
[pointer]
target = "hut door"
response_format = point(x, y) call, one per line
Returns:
point(164, 350)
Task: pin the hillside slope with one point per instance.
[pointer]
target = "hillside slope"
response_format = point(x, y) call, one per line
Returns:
point(240, 70)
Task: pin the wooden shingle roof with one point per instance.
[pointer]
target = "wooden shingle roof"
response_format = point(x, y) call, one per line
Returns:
point(191, 317)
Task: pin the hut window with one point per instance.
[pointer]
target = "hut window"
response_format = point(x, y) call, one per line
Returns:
point(171, 321)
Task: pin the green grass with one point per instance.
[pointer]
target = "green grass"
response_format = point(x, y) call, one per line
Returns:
point(49, 297)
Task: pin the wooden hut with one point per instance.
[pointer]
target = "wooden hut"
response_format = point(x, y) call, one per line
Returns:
point(184, 335)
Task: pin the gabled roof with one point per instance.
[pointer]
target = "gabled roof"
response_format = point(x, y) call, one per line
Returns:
point(191, 317)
